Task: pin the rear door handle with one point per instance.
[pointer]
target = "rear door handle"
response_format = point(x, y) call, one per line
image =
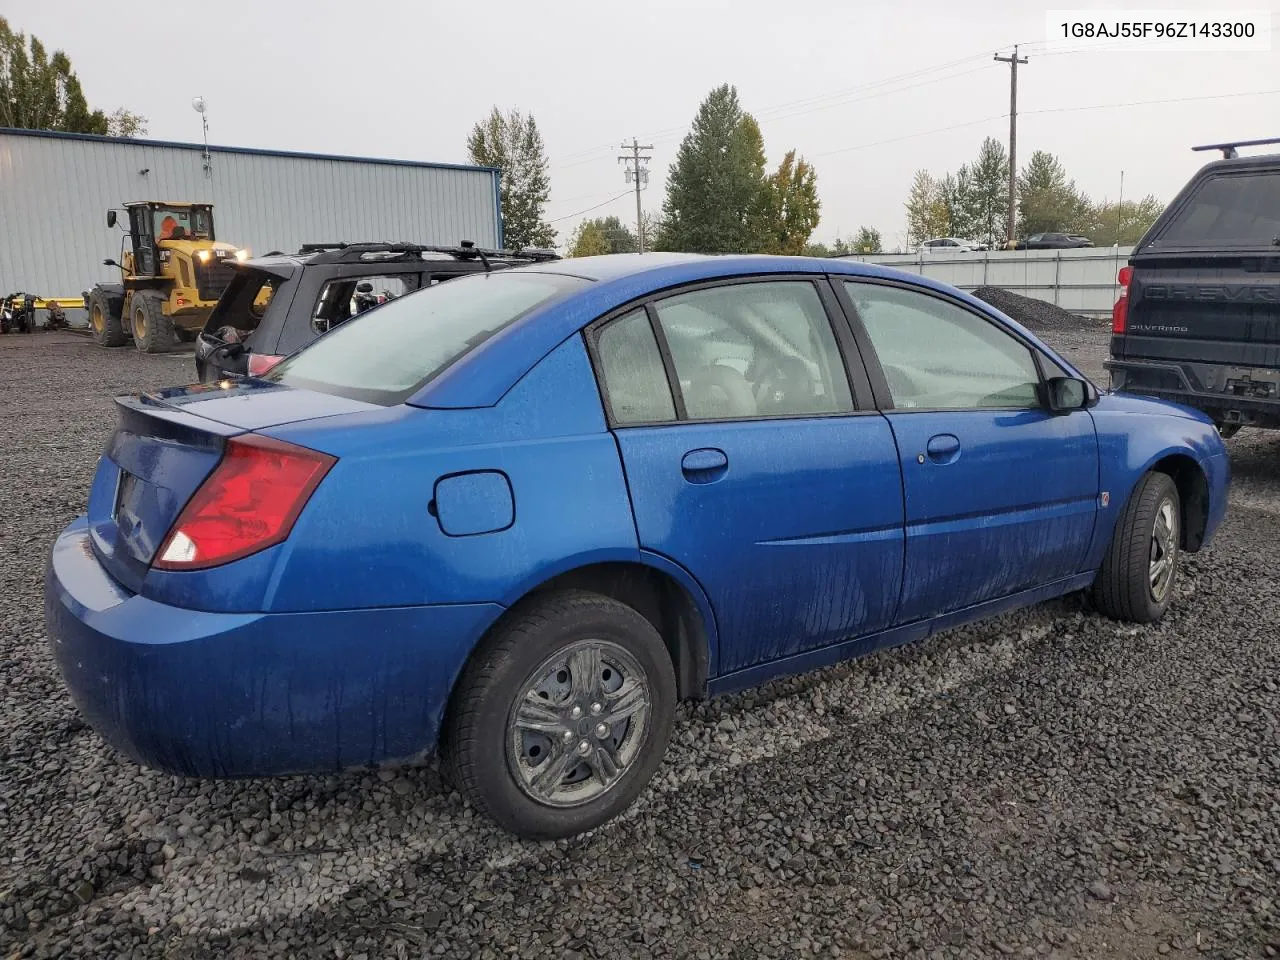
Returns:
point(705, 465)
point(943, 448)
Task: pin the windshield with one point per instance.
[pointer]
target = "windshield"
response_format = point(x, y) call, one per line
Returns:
point(182, 223)
point(386, 355)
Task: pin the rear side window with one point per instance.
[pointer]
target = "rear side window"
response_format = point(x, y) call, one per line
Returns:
point(1232, 210)
point(348, 297)
point(386, 355)
point(631, 371)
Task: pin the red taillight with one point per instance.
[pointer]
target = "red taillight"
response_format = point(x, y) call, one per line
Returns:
point(260, 363)
point(248, 503)
point(1120, 312)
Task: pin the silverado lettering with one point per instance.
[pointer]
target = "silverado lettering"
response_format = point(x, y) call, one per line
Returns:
point(1157, 328)
point(1215, 292)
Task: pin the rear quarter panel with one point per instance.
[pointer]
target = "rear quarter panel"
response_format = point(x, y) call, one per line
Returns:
point(369, 536)
point(1134, 434)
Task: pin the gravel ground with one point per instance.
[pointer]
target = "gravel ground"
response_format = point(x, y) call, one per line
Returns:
point(1045, 784)
point(1036, 314)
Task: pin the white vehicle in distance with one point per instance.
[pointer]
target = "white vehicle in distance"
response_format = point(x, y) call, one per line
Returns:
point(949, 245)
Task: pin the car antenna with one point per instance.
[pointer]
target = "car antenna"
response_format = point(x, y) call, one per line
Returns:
point(470, 247)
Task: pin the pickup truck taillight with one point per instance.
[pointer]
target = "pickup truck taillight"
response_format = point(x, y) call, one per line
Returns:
point(1120, 312)
point(260, 363)
point(248, 503)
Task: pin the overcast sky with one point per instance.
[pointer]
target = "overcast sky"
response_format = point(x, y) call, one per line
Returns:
point(408, 79)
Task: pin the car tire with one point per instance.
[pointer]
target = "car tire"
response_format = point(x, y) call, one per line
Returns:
point(106, 327)
point(1131, 585)
point(152, 330)
point(570, 760)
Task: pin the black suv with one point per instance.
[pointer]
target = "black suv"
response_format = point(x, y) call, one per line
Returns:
point(279, 303)
point(1198, 319)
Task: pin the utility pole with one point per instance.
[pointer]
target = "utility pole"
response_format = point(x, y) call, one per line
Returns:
point(637, 172)
point(1013, 62)
point(1120, 211)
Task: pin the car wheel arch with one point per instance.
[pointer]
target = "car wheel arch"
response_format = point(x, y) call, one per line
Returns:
point(1193, 491)
point(660, 591)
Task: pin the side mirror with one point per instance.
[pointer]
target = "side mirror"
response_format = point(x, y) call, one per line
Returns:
point(111, 218)
point(1065, 394)
point(109, 263)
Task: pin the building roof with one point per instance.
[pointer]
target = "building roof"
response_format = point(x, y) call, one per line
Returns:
point(250, 151)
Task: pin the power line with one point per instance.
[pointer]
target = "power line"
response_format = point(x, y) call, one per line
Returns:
point(806, 104)
point(910, 136)
point(589, 209)
point(1150, 103)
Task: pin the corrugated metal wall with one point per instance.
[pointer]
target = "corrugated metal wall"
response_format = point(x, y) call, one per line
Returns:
point(55, 191)
point(1080, 280)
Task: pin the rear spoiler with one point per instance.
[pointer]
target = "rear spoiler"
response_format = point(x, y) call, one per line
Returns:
point(146, 414)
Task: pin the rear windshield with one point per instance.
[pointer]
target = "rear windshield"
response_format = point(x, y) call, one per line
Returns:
point(1230, 210)
point(387, 354)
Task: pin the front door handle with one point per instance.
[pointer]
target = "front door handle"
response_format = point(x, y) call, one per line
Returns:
point(705, 465)
point(943, 448)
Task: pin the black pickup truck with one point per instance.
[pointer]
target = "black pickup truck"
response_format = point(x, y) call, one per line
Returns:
point(1198, 319)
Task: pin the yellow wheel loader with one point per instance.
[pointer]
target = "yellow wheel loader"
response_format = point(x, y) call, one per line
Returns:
point(172, 271)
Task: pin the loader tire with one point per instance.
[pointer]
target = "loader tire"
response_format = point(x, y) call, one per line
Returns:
point(106, 326)
point(152, 330)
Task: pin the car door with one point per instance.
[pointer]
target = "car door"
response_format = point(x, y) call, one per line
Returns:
point(1000, 493)
point(753, 464)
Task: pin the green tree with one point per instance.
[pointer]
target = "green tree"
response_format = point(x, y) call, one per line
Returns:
point(988, 197)
point(41, 92)
point(125, 123)
point(511, 142)
point(788, 208)
point(927, 212)
point(651, 226)
point(955, 190)
point(1047, 201)
point(589, 240)
point(714, 185)
point(618, 238)
point(1124, 224)
point(867, 241)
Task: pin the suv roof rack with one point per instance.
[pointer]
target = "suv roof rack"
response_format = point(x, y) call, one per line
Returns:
point(465, 250)
point(1229, 151)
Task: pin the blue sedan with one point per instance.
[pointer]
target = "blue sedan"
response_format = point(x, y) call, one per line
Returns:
point(515, 517)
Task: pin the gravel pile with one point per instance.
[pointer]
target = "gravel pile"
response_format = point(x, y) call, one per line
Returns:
point(1034, 314)
point(1049, 784)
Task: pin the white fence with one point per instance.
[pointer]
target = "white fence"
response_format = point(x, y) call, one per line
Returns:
point(1082, 281)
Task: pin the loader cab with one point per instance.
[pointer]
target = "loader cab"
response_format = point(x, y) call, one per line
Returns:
point(152, 223)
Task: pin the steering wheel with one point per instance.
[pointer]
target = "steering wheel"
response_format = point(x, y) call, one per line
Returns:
point(786, 387)
point(717, 391)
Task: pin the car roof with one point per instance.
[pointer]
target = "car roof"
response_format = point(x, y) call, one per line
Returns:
point(482, 376)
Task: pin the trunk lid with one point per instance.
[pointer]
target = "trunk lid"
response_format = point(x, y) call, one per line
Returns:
point(166, 445)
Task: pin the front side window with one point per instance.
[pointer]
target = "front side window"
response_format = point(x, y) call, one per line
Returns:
point(388, 354)
point(938, 356)
point(633, 379)
point(754, 350)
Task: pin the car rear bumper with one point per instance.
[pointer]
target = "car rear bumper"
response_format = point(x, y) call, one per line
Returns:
point(231, 695)
point(1209, 387)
